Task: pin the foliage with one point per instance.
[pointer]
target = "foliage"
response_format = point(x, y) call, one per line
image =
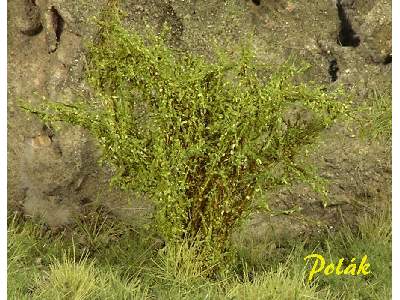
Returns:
point(202, 139)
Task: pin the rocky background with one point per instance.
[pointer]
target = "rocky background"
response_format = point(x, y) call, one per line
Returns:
point(55, 175)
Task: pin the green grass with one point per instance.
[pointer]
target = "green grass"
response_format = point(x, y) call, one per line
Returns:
point(69, 278)
point(375, 116)
point(42, 265)
point(373, 238)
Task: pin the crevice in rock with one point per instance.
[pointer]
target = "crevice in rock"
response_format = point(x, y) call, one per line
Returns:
point(333, 69)
point(34, 31)
point(347, 37)
point(84, 201)
point(48, 131)
point(58, 23)
point(32, 15)
point(256, 2)
point(388, 59)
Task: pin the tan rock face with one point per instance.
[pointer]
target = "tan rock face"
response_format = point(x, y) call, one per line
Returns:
point(377, 29)
point(50, 168)
point(40, 141)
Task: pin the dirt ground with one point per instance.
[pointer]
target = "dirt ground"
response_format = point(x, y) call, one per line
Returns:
point(55, 175)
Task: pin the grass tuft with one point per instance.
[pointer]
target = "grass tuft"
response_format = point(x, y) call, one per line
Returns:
point(41, 266)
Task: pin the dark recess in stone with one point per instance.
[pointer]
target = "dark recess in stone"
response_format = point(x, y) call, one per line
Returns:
point(388, 59)
point(333, 69)
point(31, 10)
point(58, 23)
point(48, 131)
point(347, 36)
point(84, 201)
point(33, 31)
point(256, 2)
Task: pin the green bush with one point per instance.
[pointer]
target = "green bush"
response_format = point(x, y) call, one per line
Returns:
point(202, 139)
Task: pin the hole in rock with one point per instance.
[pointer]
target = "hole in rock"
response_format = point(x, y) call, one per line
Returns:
point(333, 69)
point(347, 36)
point(58, 23)
point(388, 59)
